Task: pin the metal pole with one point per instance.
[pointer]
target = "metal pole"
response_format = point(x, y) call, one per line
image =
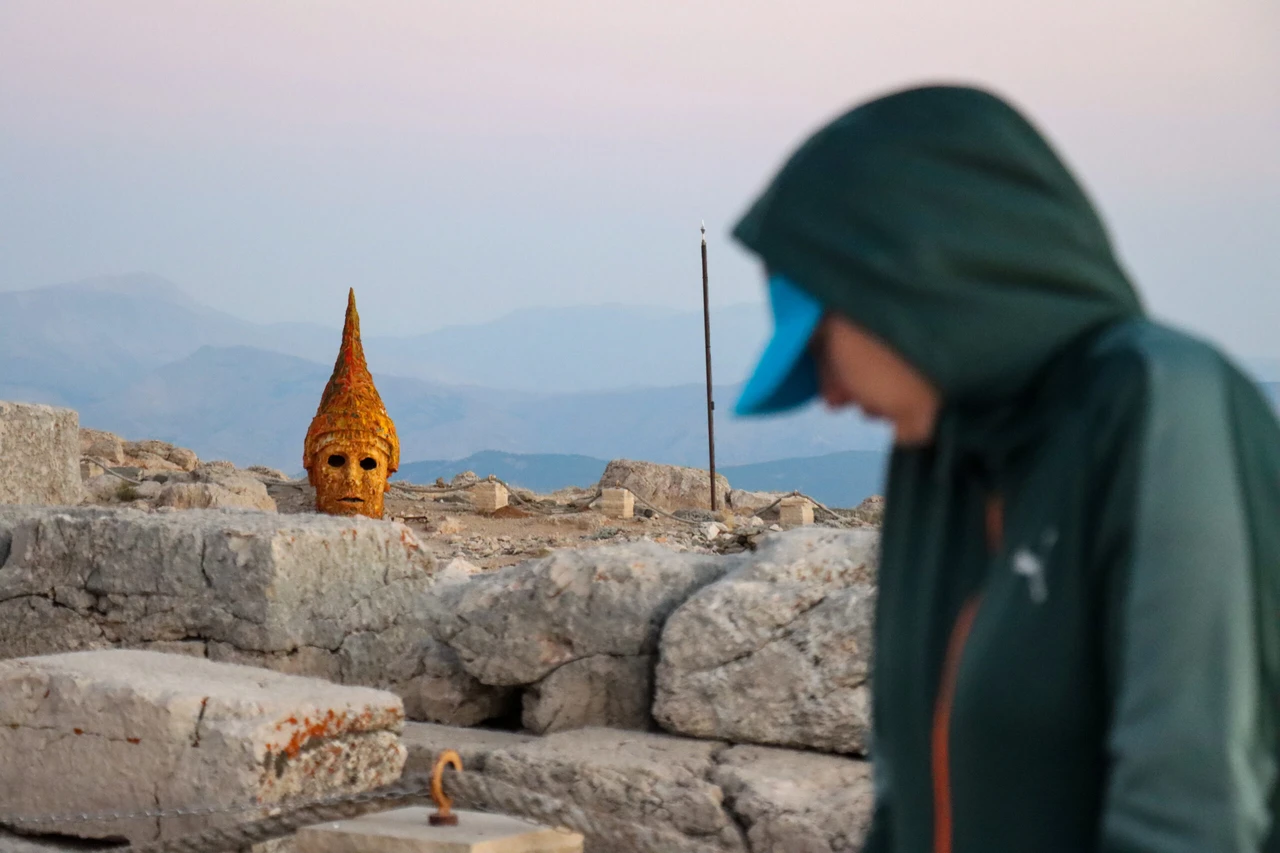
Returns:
point(711, 405)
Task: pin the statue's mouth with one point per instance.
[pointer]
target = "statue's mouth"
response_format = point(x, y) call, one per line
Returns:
point(351, 500)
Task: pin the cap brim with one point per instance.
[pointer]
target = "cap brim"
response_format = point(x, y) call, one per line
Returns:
point(786, 376)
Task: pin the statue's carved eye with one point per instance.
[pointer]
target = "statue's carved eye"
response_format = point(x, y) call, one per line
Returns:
point(337, 460)
point(368, 463)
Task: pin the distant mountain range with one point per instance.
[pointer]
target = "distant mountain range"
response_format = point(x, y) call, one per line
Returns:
point(75, 342)
point(836, 479)
point(136, 356)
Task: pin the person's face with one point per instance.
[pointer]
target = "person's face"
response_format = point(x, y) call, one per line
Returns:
point(856, 368)
point(350, 479)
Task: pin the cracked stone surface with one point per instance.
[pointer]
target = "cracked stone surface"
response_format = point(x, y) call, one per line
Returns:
point(601, 690)
point(778, 651)
point(762, 799)
point(515, 626)
point(652, 779)
point(127, 730)
point(39, 455)
point(351, 600)
point(797, 802)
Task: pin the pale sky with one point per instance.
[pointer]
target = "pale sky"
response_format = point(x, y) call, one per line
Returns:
point(458, 160)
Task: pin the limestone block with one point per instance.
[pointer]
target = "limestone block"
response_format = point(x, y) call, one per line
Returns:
point(795, 512)
point(617, 503)
point(669, 487)
point(247, 493)
point(125, 730)
point(281, 591)
point(654, 780)
point(408, 830)
point(797, 802)
point(788, 801)
point(597, 691)
point(514, 626)
point(778, 651)
point(489, 496)
point(39, 455)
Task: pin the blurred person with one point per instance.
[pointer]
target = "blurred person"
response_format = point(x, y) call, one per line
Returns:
point(1077, 640)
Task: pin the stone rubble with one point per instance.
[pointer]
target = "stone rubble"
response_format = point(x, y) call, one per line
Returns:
point(591, 631)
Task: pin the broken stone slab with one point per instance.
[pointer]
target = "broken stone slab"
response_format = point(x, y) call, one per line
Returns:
point(284, 592)
point(668, 487)
point(797, 802)
point(777, 651)
point(515, 626)
point(39, 455)
point(650, 779)
point(131, 731)
point(602, 690)
point(244, 493)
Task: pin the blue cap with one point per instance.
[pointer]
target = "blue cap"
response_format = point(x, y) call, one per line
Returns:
point(786, 375)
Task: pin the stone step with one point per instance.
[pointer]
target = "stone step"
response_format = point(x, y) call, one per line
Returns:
point(130, 731)
point(746, 798)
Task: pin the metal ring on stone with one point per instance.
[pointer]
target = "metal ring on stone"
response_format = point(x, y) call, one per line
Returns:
point(443, 815)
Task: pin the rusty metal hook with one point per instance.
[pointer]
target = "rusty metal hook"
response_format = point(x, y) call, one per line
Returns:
point(443, 816)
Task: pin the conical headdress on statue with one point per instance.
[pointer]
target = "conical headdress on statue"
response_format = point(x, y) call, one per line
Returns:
point(350, 407)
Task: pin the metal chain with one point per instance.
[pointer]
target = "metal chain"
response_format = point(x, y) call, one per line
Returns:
point(185, 811)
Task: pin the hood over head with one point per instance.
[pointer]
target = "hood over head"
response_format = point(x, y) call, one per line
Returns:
point(941, 221)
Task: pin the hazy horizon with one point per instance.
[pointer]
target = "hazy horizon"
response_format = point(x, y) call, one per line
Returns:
point(455, 163)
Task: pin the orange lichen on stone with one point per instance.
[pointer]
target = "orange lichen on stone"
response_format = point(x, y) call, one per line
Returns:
point(351, 448)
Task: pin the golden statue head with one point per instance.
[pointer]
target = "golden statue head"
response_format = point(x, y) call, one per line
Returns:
point(351, 448)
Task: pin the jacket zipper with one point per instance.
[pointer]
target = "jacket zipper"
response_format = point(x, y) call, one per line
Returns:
point(941, 743)
point(942, 727)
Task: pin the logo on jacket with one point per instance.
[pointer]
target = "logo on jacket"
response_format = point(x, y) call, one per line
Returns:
point(1030, 565)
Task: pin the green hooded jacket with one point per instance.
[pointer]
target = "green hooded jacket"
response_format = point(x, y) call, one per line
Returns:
point(1078, 624)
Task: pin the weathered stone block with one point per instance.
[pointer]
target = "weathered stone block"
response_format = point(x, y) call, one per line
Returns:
point(617, 503)
point(489, 496)
point(597, 691)
point(779, 650)
point(797, 802)
point(39, 455)
point(133, 731)
point(668, 487)
point(788, 801)
point(514, 626)
point(300, 593)
point(795, 512)
point(653, 780)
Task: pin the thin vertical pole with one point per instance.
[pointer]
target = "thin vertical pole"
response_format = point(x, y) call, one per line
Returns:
point(711, 404)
